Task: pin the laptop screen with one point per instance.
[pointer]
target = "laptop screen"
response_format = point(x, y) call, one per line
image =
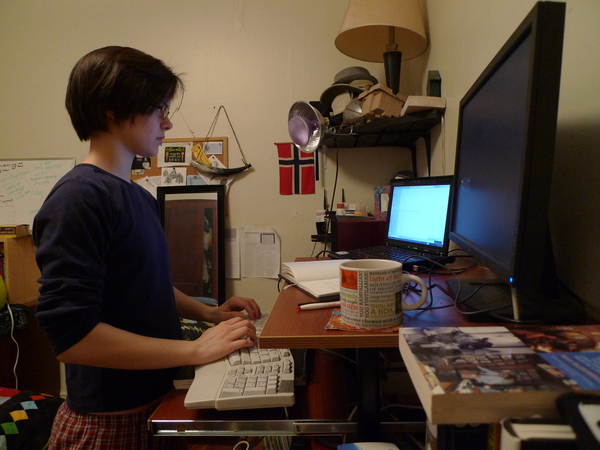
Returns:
point(418, 213)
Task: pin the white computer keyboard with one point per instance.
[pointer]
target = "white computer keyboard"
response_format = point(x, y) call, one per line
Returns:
point(245, 379)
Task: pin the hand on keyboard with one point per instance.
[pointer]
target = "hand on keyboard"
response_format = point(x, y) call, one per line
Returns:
point(235, 307)
point(246, 378)
point(224, 338)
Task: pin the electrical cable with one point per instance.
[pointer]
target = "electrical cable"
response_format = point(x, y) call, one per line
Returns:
point(329, 211)
point(432, 270)
point(313, 250)
point(237, 446)
point(279, 283)
point(458, 300)
point(12, 336)
point(443, 132)
point(248, 442)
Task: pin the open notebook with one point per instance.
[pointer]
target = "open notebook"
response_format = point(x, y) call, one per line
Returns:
point(418, 219)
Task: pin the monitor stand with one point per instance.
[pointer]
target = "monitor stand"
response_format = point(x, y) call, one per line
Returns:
point(485, 295)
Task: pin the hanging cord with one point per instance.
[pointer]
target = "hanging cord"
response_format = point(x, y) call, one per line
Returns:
point(12, 336)
point(212, 128)
point(203, 166)
point(186, 123)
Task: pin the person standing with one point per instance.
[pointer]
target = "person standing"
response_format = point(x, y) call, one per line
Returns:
point(107, 301)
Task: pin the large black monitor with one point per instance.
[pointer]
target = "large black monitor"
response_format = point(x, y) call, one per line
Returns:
point(503, 176)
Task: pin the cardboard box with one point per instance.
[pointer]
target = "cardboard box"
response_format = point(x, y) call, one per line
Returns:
point(380, 102)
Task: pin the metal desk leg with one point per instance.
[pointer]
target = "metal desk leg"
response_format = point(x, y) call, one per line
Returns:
point(369, 394)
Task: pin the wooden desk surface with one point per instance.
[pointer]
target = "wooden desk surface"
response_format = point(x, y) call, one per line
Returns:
point(287, 327)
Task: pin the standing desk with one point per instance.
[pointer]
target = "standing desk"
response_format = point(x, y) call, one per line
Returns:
point(321, 407)
point(287, 327)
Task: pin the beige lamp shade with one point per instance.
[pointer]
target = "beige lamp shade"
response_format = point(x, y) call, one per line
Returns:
point(370, 26)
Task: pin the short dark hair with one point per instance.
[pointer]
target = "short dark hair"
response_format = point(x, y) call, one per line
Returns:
point(123, 80)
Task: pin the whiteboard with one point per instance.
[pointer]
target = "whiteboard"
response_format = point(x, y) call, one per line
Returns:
point(25, 184)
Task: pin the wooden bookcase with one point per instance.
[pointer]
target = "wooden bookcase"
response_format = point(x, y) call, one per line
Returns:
point(37, 368)
point(20, 270)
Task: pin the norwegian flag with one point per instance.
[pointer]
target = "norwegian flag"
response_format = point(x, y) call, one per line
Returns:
point(296, 170)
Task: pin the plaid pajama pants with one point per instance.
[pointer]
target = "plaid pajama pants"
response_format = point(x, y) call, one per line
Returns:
point(74, 431)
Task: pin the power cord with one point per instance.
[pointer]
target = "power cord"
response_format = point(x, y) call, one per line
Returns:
point(12, 336)
point(457, 298)
point(329, 211)
point(247, 443)
point(436, 267)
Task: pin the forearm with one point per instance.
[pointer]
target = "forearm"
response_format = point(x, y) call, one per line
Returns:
point(189, 308)
point(111, 347)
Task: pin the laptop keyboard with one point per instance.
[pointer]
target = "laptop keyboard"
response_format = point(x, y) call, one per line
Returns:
point(396, 254)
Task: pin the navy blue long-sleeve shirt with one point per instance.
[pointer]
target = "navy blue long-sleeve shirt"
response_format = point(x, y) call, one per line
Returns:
point(103, 258)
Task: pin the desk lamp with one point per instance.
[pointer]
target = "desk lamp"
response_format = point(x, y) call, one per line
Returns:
point(387, 31)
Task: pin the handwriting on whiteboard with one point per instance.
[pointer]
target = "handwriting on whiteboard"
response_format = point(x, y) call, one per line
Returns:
point(25, 184)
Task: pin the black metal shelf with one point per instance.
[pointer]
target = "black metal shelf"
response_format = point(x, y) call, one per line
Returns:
point(402, 131)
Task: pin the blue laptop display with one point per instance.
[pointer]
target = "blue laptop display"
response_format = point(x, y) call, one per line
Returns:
point(418, 219)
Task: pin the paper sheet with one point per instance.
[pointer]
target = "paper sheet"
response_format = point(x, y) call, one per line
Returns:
point(232, 253)
point(173, 176)
point(261, 254)
point(150, 184)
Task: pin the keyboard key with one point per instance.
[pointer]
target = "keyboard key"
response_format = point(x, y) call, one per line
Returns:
point(256, 390)
point(234, 359)
point(274, 354)
point(231, 392)
point(245, 356)
point(264, 356)
point(254, 356)
point(272, 385)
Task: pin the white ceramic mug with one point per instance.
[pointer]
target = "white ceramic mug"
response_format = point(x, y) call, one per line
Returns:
point(371, 293)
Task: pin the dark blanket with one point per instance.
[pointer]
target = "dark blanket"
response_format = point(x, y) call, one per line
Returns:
point(26, 419)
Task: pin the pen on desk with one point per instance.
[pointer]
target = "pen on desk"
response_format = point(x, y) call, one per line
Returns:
point(318, 305)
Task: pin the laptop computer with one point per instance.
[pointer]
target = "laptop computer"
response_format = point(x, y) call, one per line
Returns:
point(418, 221)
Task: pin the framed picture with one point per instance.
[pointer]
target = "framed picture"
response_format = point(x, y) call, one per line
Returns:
point(193, 218)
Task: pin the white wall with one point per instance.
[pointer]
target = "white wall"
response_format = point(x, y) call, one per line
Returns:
point(254, 57)
point(257, 57)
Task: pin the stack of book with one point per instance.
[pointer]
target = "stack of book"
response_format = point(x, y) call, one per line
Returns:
point(14, 231)
point(486, 374)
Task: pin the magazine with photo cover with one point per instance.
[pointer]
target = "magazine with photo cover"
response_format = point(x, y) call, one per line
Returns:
point(483, 374)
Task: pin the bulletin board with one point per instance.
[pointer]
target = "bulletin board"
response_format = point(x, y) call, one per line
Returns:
point(154, 170)
point(25, 184)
